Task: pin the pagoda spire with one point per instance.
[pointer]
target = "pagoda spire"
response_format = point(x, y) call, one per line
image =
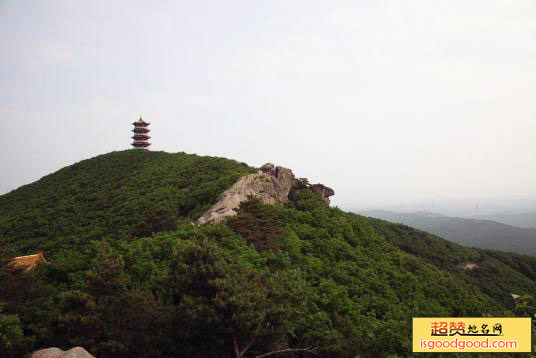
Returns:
point(141, 134)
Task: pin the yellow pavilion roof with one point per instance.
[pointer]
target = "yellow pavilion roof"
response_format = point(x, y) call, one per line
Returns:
point(29, 262)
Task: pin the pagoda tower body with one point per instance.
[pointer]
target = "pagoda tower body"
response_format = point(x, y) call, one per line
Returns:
point(141, 134)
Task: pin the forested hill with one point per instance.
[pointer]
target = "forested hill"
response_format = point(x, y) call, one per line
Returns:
point(121, 194)
point(131, 275)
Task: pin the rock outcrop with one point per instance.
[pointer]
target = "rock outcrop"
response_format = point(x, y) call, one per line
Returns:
point(271, 184)
point(76, 352)
point(470, 266)
point(323, 191)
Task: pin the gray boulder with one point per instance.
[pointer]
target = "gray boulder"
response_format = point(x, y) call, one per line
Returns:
point(268, 168)
point(323, 191)
point(270, 184)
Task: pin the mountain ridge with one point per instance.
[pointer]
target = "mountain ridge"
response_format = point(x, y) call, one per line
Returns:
point(522, 219)
point(131, 274)
point(480, 233)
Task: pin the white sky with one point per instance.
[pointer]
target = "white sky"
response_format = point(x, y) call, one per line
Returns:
point(385, 101)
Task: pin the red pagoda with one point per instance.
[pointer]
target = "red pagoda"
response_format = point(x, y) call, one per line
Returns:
point(141, 134)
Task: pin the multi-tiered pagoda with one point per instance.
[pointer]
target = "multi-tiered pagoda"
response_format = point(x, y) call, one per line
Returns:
point(141, 134)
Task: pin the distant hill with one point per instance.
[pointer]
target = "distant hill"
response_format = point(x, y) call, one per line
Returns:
point(485, 234)
point(524, 220)
point(130, 273)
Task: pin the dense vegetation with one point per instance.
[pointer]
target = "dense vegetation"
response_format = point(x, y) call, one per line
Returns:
point(121, 194)
point(130, 275)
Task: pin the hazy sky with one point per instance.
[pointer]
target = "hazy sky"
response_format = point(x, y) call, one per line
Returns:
point(385, 101)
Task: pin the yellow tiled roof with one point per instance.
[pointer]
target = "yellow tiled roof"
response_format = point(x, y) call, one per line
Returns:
point(29, 261)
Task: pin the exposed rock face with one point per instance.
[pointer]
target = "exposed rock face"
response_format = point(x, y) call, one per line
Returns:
point(271, 184)
point(323, 191)
point(470, 266)
point(76, 352)
point(268, 168)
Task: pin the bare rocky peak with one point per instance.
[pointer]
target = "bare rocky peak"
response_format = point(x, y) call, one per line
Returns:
point(271, 184)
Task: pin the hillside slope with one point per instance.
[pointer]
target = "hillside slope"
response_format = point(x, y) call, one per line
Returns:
point(498, 272)
point(120, 194)
point(470, 232)
point(131, 275)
